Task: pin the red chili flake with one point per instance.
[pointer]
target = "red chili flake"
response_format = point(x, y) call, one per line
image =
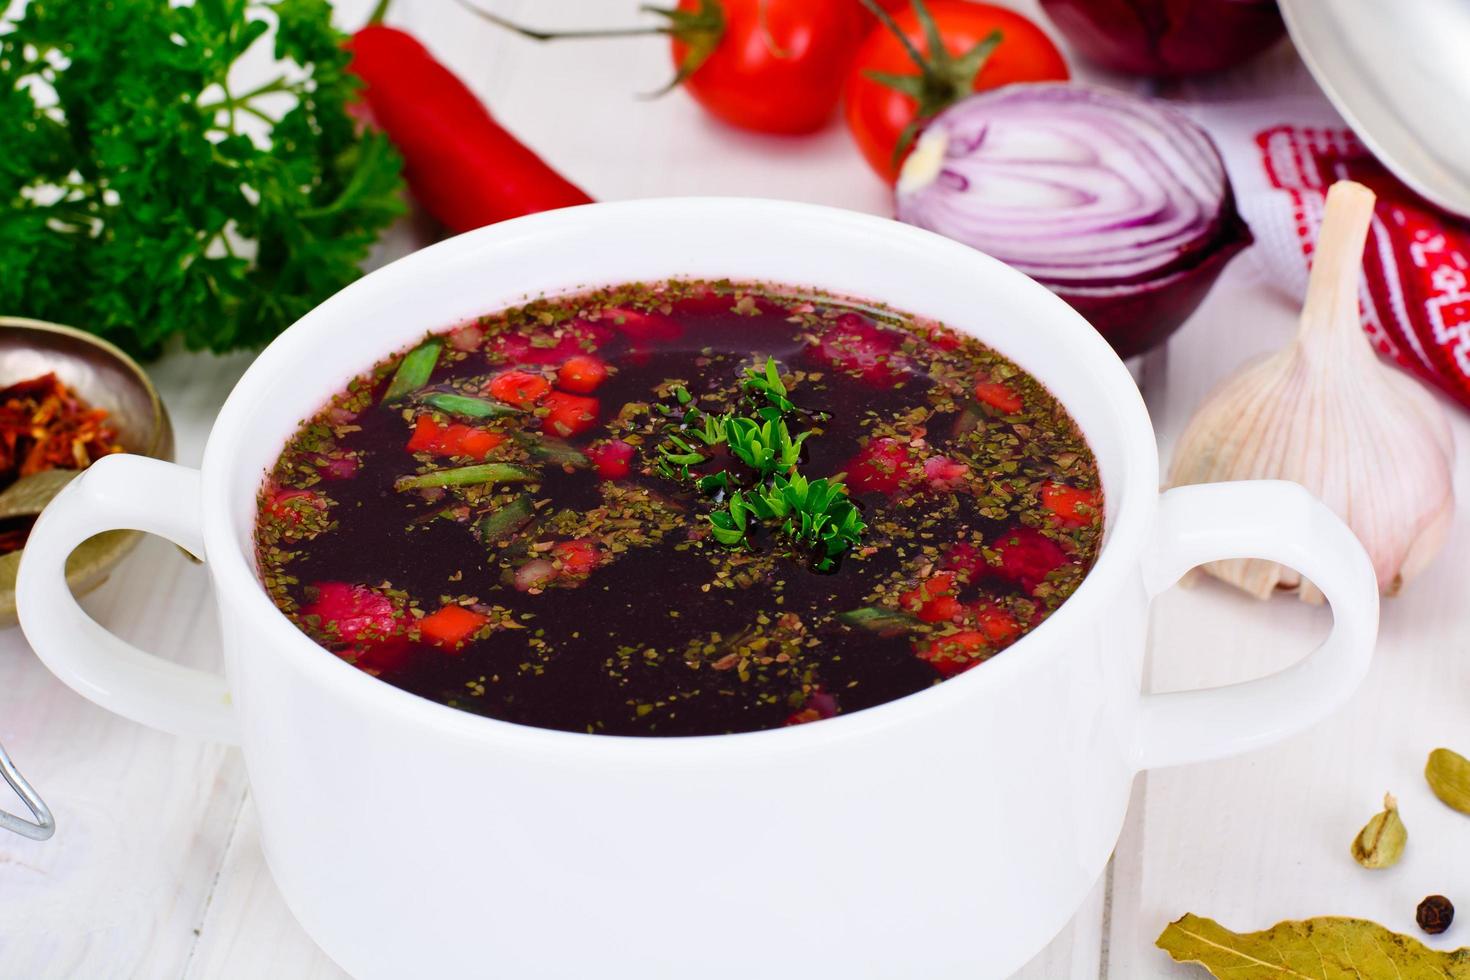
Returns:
point(44, 425)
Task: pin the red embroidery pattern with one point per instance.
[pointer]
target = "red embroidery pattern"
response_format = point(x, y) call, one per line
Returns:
point(1415, 298)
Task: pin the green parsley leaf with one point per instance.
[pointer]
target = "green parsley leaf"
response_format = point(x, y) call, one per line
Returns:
point(143, 198)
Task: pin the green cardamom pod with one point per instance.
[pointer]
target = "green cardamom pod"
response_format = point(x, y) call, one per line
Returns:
point(1381, 842)
point(1449, 776)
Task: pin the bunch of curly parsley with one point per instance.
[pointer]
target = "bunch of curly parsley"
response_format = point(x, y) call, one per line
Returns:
point(144, 198)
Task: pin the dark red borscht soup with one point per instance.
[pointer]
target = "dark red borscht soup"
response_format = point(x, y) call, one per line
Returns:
point(685, 508)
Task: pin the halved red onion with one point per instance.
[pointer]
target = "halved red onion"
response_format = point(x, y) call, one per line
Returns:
point(1167, 37)
point(1118, 204)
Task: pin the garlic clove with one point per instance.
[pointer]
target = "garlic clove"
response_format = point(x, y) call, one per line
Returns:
point(1325, 412)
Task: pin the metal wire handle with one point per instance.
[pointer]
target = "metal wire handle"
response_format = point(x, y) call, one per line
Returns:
point(44, 824)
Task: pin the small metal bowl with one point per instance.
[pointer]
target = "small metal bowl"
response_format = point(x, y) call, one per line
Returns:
point(106, 378)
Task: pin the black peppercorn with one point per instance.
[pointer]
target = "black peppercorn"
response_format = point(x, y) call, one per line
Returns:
point(1435, 914)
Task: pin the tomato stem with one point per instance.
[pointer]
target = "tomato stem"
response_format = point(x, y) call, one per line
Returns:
point(379, 12)
point(886, 19)
point(943, 79)
point(535, 35)
point(700, 30)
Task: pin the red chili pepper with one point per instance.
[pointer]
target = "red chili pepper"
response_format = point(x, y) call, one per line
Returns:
point(463, 166)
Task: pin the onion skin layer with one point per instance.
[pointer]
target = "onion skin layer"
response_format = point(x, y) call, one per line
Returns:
point(1167, 38)
point(1119, 204)
point(1137, 318)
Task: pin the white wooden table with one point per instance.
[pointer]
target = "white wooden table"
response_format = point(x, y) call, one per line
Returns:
point(156, 869)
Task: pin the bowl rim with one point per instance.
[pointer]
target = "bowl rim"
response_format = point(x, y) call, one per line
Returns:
point(237, 584)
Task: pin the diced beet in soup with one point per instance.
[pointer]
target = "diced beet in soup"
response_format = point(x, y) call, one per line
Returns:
point(684, 508)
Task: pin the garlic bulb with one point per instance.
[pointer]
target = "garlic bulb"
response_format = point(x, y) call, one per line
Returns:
point(1325, 412)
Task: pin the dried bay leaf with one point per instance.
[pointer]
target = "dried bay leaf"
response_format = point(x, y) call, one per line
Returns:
point(1381, 842)
point(1448, 773)
point(1326, 948)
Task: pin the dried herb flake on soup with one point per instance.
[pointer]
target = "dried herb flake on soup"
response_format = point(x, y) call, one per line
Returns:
point(681, 508)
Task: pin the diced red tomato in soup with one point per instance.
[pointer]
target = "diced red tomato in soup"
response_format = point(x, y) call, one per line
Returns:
point(452, 440)
point(999, 397)
point(1027, 556)
point(855, 344)
point(577, 557)
point(519, 388)
point(954, 653)
point(581, 374)
point(1071, 505)
point(884, 465)
point(451, 626)
point(568, 415)
point(612, 460)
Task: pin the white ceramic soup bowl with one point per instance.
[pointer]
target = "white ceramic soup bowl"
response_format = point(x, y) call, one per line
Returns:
point(947, 834)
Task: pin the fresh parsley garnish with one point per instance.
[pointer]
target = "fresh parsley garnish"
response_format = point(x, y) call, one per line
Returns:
point(814, 515)
point(143, 197)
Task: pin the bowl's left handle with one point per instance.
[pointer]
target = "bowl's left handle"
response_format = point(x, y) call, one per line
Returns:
point(118, 493)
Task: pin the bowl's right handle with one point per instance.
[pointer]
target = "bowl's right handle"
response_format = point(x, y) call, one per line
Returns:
point(1259, 519)
point(119, 492)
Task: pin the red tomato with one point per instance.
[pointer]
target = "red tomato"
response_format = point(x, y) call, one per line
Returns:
point(944, 474)
point(568, 340)
point(582, 374)
point(451, 626)
point(612, 460)
point(884, 465)
point(364, 619)
point(519, 388)
point(878, 115)
point(819, 705)
point(955, 653)
point(998, 625)
point(776, 66)
point(892, 6)
point(931, 601)
point(998, 396)
point(966, 560)
point(1073, 507)
point(576, 557)
point(452, 440)
point(855, 345)
point(1027, 556)
point(291, 507)
point(643, 328)
point(567, 415)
